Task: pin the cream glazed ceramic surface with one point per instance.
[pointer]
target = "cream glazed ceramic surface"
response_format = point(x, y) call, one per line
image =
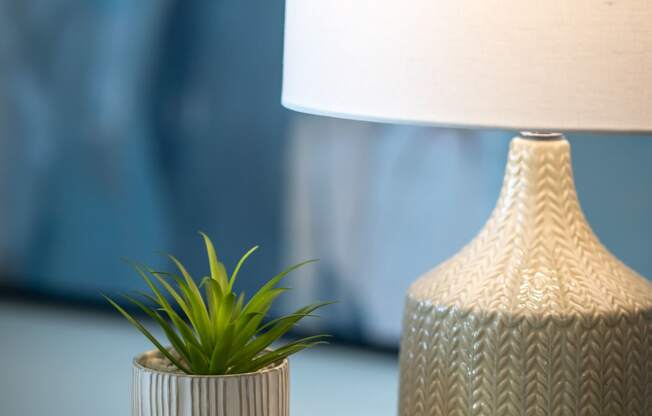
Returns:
point(159, 393)
point(534, 316)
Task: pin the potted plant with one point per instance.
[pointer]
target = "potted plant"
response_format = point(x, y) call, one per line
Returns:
point(220, 360)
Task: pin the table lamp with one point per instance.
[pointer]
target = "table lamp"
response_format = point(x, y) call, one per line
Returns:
point(534, 316)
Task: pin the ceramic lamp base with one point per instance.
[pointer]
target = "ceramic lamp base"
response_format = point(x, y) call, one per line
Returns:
point(534, 316)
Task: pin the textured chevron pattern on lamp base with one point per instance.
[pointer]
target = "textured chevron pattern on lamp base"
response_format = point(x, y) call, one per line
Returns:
point(535, 316)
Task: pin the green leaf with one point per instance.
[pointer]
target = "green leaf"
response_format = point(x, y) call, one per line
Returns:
point(285, 318)
point(262, 301)
point(212, 330)
point(239, 265)
point(255, 311)
point(199, 360)
point(148, 335)
point(277, 279)
point(220, 356)
point(178, 345)
point(280, 328)
point(225, 315)
point(180, 301)
point(267, 358)
point(214, 297)
point(185, 291)
point(196, 304)
point(238, 305)
point(217, 269)
point(185, 331)
point(149, 297)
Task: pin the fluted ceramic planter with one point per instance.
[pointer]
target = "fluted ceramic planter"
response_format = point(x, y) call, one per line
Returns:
point(161, 393)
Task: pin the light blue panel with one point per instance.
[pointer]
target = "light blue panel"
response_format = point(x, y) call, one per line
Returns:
point(614, 181)
point(388, 203)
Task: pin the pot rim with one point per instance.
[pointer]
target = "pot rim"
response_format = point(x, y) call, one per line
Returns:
point(136, 363)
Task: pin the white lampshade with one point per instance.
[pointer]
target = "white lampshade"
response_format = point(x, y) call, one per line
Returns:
point(519, 64)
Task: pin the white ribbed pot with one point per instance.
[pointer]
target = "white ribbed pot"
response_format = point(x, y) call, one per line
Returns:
point(161, 393)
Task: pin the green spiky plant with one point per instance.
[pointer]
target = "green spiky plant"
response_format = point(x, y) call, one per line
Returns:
point(216, 332)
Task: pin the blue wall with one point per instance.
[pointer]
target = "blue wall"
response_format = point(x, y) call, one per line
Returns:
point(127, 126)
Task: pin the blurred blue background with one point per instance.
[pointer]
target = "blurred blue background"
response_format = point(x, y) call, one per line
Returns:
point(128, 126)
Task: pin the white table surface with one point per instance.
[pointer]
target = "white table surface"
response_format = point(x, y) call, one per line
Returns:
point(65, 362)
